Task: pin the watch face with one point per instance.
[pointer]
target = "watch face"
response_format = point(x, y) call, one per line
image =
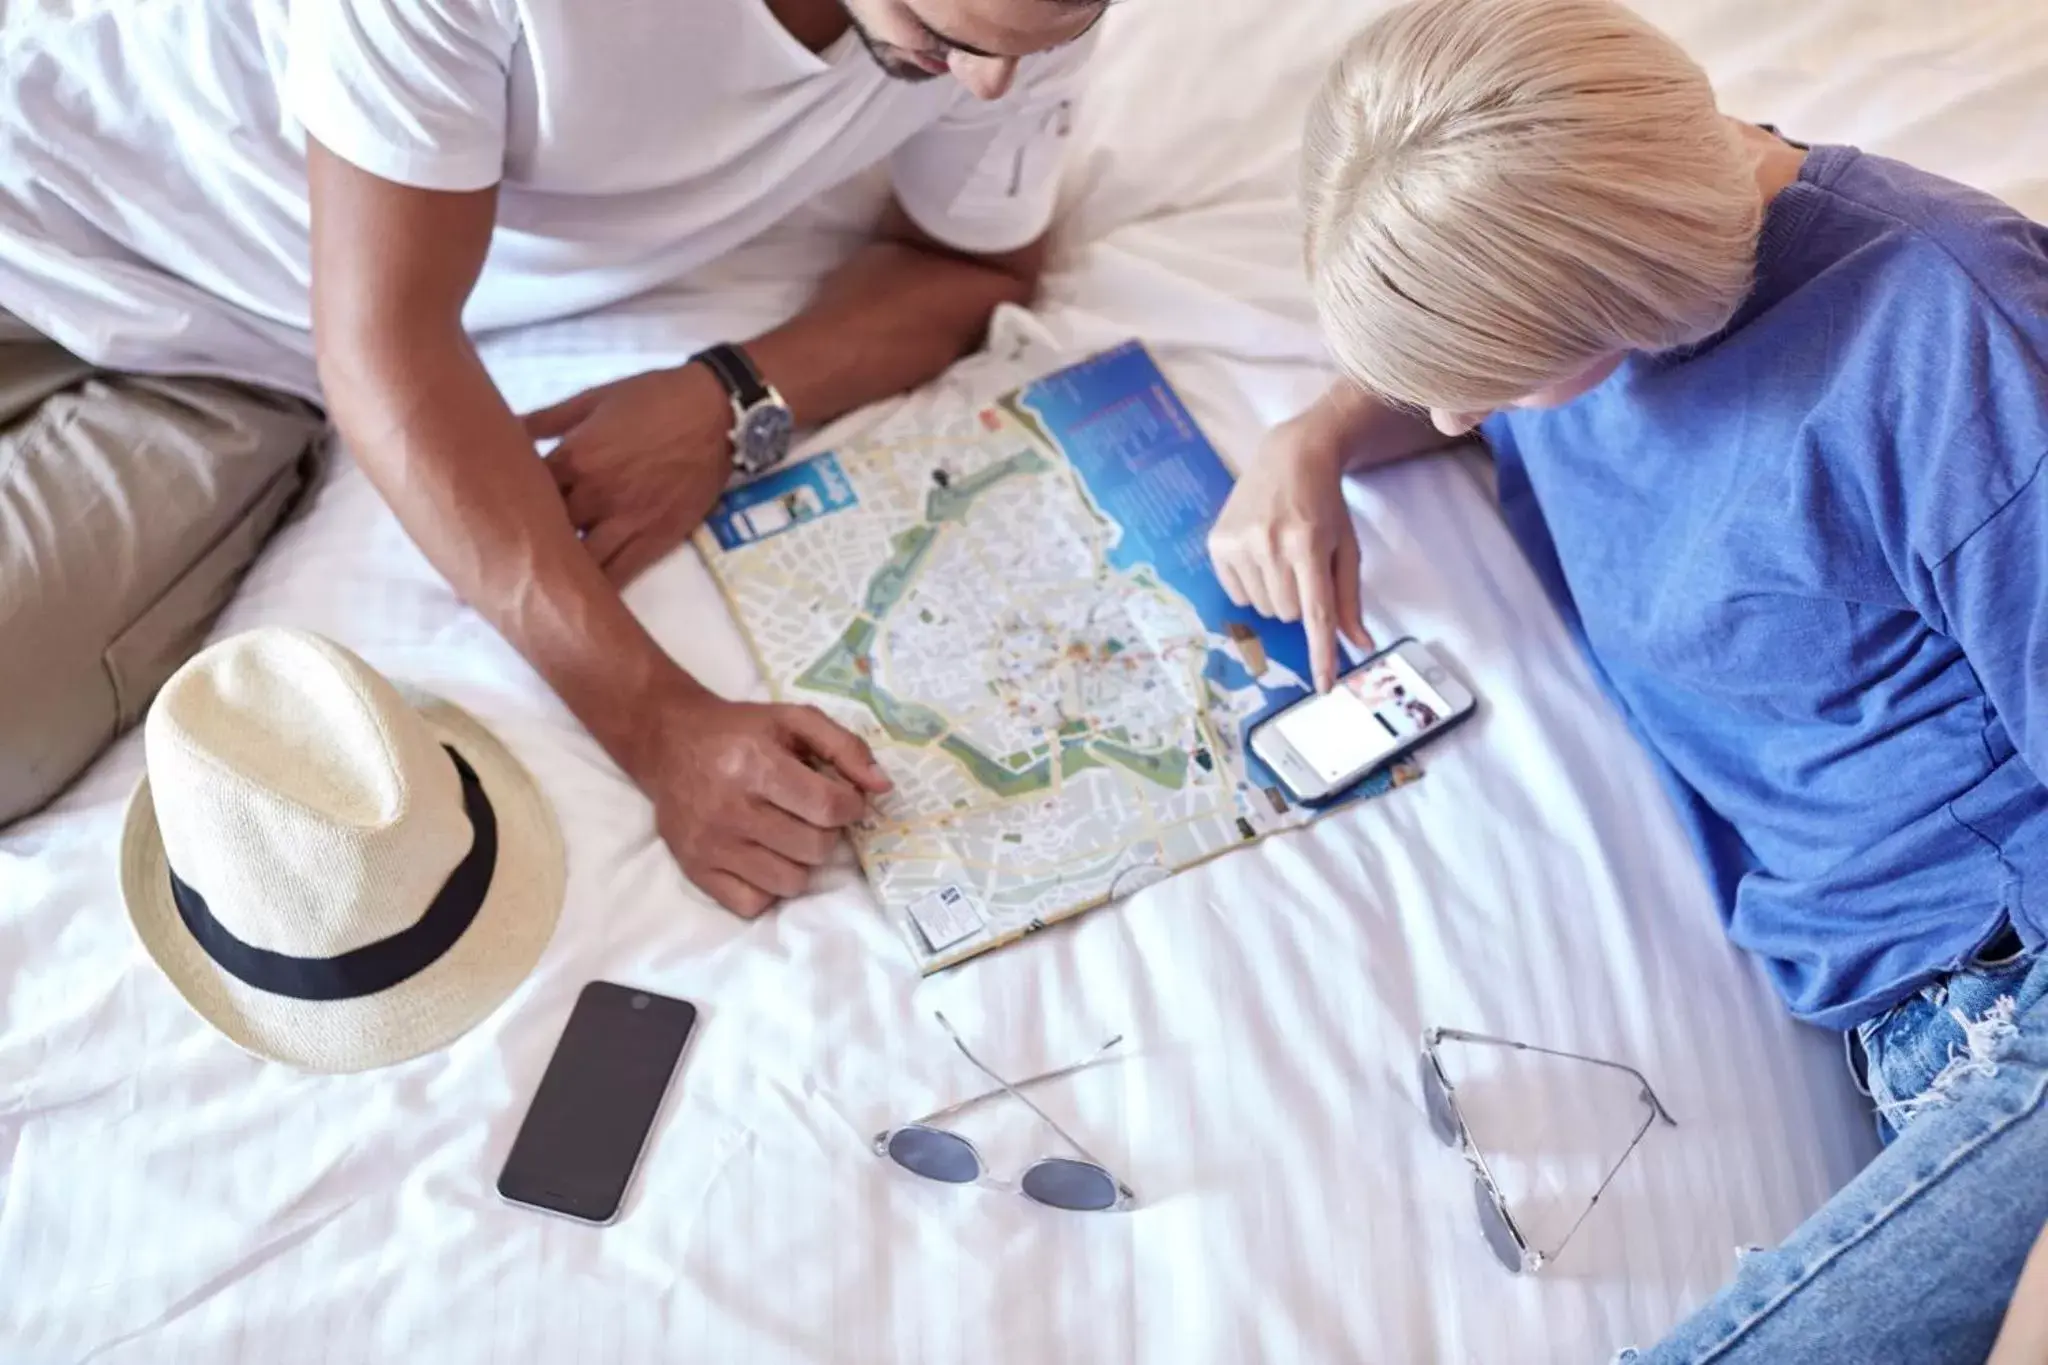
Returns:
point(763, 436)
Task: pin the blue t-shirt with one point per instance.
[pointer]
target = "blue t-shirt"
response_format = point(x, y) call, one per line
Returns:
point(1809, 559)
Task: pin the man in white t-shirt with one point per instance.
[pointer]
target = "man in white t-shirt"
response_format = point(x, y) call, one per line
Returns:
point(186, 185)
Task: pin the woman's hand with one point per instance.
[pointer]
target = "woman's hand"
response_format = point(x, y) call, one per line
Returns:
point(1284, 544)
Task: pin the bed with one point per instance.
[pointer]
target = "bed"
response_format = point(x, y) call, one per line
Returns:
point(164, 1198)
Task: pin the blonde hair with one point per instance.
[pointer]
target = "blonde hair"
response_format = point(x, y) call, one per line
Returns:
point(1500, 192)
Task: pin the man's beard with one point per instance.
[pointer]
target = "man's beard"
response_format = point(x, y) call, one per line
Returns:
point(888, 56)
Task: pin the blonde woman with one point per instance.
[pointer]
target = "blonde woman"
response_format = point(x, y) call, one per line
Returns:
point(1770, 423)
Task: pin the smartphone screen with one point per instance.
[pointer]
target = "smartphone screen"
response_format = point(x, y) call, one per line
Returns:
point(590, 1118)
point(1371, 714)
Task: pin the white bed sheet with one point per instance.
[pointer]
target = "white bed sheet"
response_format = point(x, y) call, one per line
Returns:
point(164, 1198)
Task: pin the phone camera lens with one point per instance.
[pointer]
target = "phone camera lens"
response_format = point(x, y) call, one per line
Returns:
point(639, 1002)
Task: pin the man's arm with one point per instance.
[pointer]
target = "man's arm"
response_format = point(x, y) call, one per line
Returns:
point(392, 269)
point(641, 462)
point(892, 318)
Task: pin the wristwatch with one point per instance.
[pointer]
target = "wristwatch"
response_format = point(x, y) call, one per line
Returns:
point(761, 421)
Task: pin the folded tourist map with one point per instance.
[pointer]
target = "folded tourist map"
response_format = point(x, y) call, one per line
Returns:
point(1014, 605)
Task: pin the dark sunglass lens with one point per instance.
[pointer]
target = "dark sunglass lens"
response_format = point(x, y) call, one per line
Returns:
point(935, 1155)
point(1500, 1233)
point(1437, 1101)
point(1073, 1185)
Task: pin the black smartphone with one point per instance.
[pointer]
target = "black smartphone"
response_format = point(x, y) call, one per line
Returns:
point(591, 1117)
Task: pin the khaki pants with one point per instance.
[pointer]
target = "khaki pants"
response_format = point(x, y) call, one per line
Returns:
point(129, 509)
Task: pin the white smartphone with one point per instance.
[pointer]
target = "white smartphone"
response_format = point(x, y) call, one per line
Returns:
point(1394, 702)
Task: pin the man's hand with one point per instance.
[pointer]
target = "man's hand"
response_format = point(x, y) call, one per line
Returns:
point(750, 798)
point(1284, 544)
point(640, 463)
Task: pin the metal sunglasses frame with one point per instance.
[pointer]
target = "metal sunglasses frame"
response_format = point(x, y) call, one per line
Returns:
point(1125, 1199)
point(1531, 1260)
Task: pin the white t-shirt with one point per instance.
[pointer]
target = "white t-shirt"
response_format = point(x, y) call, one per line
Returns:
point(152, 171)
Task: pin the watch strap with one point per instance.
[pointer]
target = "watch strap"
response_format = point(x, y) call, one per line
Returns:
point(736, 371)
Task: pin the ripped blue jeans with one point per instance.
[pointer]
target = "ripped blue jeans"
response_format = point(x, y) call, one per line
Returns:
point(1916, 1258)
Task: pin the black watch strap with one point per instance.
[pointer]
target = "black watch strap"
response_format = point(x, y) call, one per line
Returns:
point(737, 373)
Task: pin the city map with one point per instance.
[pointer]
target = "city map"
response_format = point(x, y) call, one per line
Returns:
point(1013, 604)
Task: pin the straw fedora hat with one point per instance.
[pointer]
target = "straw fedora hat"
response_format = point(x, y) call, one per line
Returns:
point(335, 874)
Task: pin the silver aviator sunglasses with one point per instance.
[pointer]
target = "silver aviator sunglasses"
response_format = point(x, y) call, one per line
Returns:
point(1440, 1098)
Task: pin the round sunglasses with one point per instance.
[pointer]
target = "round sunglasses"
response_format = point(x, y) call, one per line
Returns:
point(924, 1148)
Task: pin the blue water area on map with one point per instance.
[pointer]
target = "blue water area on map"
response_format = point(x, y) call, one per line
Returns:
point(781, 501)
point(1150, 468)
point(1226, 672)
